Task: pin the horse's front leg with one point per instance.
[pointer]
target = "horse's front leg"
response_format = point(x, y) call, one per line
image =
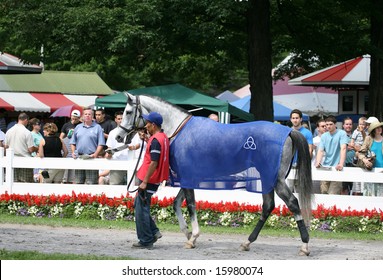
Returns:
point(191, 206)
point(267, 207)
point(177, 205)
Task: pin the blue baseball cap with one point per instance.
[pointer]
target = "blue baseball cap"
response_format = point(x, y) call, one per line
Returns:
point(153, 117)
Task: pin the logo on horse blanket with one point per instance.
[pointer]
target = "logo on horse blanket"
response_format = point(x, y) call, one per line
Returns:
point(209, 155)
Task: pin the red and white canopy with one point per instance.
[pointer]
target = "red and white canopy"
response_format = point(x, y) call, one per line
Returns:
point(42, 102)
point(353, 72)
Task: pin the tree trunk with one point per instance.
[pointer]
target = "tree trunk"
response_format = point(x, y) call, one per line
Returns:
point(376, 77)
point(258, 16)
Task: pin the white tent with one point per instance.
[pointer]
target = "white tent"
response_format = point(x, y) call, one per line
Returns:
point(310, 100)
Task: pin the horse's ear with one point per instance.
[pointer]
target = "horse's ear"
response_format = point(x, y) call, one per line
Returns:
point(129, 96)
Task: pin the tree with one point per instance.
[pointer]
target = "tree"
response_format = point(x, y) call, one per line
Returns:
point(258, 16)
point(375, 104)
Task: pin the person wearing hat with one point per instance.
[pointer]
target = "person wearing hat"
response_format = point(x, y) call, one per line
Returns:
point(373, 145)
point(369, 121)
point(153, 171)
point(66, 134)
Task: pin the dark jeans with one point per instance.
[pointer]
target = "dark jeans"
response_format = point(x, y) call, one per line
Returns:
point(347, 186)
point(145, 225)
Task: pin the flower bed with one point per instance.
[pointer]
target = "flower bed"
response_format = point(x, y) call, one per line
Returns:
point(229, 214)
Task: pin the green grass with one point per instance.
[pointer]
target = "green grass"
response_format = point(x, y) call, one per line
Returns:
point(33, 255)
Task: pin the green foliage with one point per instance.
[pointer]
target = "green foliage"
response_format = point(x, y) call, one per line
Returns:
point(202, 44)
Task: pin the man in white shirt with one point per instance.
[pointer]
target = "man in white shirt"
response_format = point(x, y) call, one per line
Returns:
point(119, 177)
point(20, 139)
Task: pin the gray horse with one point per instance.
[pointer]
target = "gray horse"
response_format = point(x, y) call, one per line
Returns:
point(205, 154)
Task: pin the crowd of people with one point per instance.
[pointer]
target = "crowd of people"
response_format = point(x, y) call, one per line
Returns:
point(336, 148)
point(90, 133)
point(87, 134)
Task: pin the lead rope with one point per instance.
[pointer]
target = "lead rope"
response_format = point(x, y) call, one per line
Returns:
point(135, 169)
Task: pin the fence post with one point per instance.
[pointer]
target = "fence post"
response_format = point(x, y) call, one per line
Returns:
point(9, 170)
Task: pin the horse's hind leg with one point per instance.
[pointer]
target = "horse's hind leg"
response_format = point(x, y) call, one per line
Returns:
point(267, 207)
point(191, 206)
point(177, 209)
point(291, 201)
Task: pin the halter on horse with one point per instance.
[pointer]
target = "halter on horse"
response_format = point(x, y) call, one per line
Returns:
point(205, 154)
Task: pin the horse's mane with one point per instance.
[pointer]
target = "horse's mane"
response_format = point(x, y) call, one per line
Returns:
point(166, 102)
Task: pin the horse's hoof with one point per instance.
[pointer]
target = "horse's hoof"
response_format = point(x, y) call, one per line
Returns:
point(244, 247)
point(189, 245)
point(304, 251)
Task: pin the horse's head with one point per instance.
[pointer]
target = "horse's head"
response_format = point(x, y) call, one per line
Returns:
point(132, 120)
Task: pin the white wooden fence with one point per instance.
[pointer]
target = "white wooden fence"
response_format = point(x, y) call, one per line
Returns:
point(9, 162)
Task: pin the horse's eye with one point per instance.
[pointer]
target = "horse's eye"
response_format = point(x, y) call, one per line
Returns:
point(128, 112)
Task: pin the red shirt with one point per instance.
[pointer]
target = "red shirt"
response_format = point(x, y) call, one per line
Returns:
point(162, 171)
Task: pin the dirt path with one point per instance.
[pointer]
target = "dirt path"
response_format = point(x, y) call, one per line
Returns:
point(117, 243)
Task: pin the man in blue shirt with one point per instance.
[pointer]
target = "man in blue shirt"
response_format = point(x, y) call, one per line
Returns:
point(296, 121)
point(88, 141)
point(333, 147)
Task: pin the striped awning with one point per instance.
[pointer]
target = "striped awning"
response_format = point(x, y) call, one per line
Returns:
point(42, 102)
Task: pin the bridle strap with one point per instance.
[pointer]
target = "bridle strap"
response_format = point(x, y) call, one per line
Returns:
point(137, 118)
point(182, 124)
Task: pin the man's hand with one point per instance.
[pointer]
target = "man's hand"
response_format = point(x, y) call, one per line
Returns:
point(339, 167)
point(142, 186)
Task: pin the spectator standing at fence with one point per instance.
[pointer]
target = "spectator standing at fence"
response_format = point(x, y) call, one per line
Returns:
point(68, 127)
point(119, 177)
point(373, 143)
point(106, 124)
point(320, 129)
point(333, 148)
point(296, 121)
point(20, 139)
point(52, 146)
point(2, 138)
point(35, 126)
point(66, 134)
point(88, 141)
point(350, 153)
point(369, 121)
point(3, 123)
point(358, 136)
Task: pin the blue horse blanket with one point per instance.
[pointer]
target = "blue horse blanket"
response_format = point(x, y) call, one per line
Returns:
point(209, 155)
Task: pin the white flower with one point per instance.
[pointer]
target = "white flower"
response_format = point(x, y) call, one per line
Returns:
point(272, 220)
point(248, 218)
point(56, 210)
point(78, 208)
point(225, 219)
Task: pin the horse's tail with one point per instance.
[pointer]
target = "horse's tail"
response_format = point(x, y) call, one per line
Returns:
point(303, 176)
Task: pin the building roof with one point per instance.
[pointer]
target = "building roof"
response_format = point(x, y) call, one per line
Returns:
point(10, 64)
point(83, 83)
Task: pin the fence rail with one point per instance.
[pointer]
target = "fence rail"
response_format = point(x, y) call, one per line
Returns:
point(9, 162)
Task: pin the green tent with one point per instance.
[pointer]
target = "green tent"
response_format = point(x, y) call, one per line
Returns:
point(182, 96)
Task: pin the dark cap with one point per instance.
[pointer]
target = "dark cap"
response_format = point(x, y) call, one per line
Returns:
point(153, 117)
